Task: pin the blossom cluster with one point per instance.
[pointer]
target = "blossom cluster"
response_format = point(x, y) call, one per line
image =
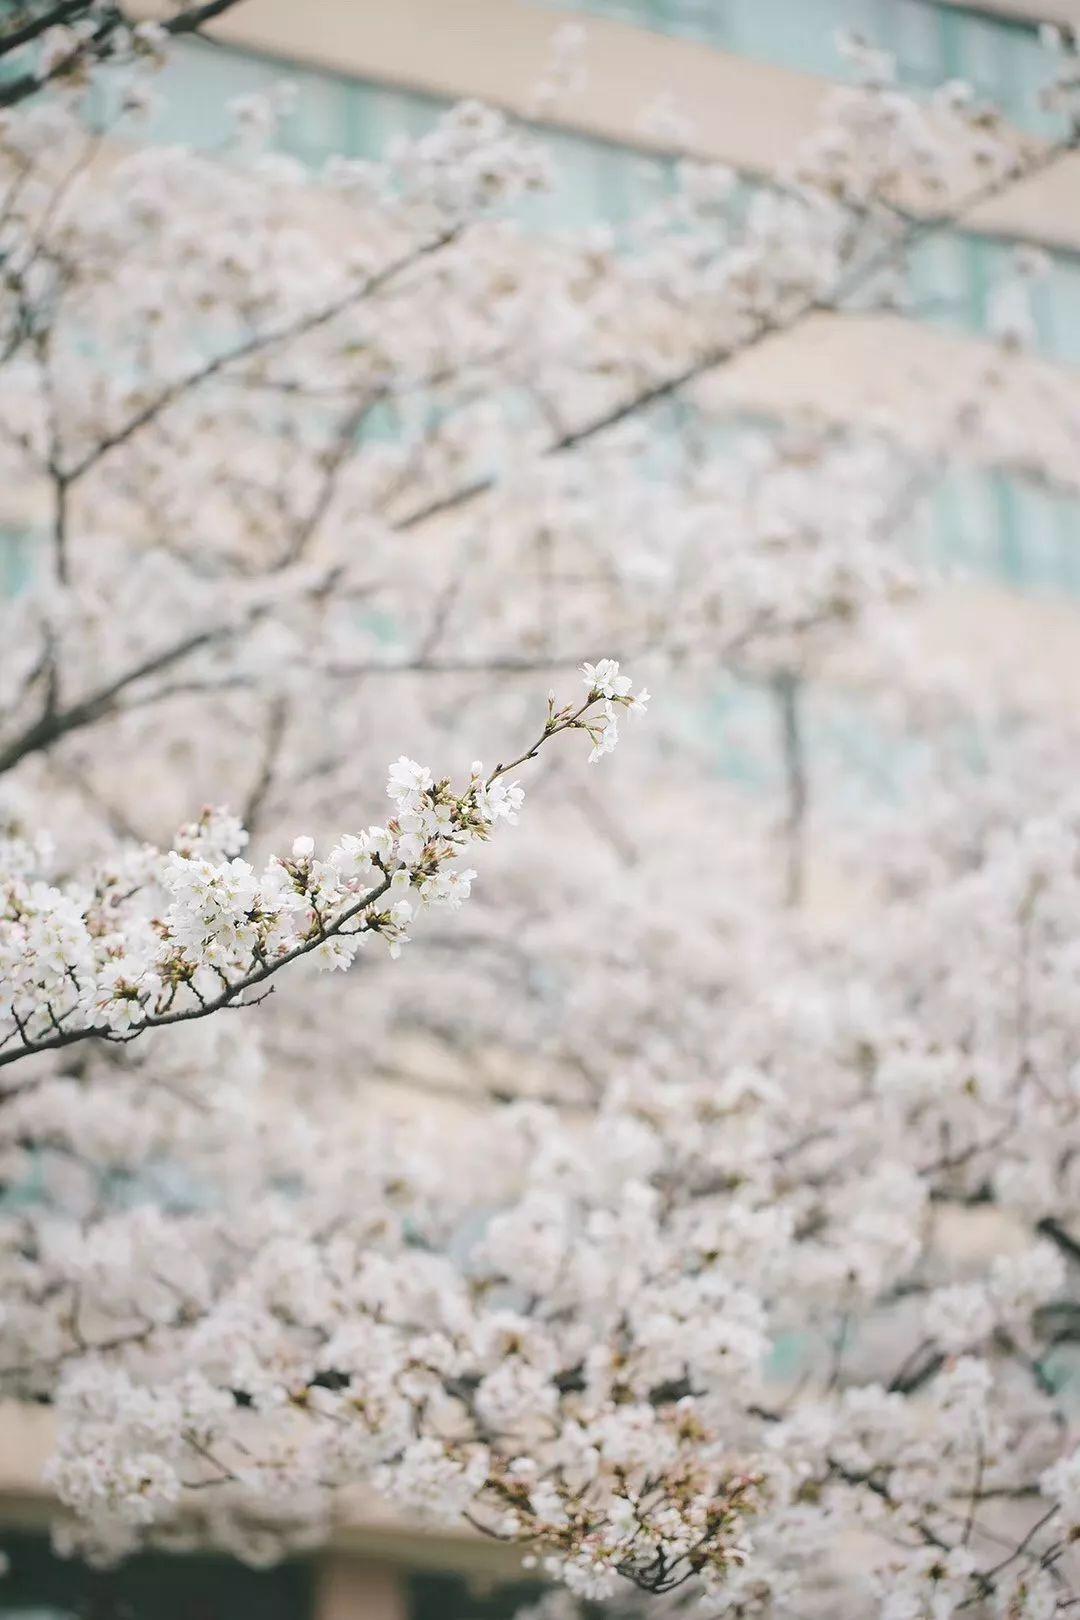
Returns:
point(722, 1335)
point(761, 1290)
point(160, 938)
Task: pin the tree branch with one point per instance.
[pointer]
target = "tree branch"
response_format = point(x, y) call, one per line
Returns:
point(787, 690)
point(763, 327)
point(264, 968)
point(94, 49)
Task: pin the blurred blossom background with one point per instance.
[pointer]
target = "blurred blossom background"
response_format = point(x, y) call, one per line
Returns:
point(692, 1213)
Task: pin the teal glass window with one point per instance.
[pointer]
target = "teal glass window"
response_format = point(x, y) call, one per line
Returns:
point(16, 560)
point(992, 526)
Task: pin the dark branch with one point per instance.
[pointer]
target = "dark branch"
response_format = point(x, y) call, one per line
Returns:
point(97, 47)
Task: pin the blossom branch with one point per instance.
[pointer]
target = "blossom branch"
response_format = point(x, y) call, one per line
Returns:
point(227, 931)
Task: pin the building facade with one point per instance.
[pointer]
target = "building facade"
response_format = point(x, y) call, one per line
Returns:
point(749, 76)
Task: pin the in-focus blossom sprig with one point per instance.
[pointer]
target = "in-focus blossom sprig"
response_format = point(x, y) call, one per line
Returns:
point(606, 685)
point(106, 961)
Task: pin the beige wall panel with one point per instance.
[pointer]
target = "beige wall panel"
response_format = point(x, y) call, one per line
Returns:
point(914, 379)
point(498, 49)
point(349, 1589)
point(25, 1442)
point(1045, 208)
point(1021, 644)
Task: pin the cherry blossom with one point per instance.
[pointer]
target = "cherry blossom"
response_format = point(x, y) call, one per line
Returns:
point(697, 1208)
